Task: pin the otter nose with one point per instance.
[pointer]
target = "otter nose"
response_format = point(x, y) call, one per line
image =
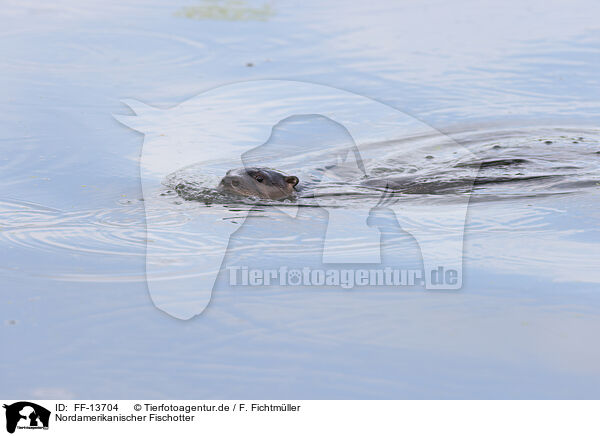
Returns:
point(231, 180)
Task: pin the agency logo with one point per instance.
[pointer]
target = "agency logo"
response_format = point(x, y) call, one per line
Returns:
point(26, 415)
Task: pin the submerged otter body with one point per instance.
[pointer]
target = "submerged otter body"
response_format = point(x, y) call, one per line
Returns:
point(274, 185)
point(259, 182)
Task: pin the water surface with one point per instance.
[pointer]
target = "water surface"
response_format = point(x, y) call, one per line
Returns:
point(516, 84)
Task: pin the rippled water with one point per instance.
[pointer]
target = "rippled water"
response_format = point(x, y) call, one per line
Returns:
point(517, 86)
point(509, 164)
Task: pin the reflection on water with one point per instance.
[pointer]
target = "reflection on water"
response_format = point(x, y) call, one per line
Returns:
point(73, 221)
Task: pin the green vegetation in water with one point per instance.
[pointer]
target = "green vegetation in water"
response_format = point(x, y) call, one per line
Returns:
point(226, 10)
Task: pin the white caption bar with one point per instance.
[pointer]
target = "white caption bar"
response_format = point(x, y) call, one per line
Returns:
point(262, 417)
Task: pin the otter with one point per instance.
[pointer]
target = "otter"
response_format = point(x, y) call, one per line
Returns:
point(259, 182)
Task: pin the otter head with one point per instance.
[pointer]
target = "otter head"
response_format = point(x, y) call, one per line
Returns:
point(259, 182)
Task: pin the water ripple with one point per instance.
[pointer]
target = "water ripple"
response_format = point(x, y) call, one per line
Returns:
point(517, 168)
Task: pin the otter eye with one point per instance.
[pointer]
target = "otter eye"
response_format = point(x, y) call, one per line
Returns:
point(259, 179)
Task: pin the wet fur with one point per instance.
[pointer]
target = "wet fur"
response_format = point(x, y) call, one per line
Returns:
point(259, 182)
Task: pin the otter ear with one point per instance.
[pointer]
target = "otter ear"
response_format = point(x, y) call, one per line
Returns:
point(292, 179)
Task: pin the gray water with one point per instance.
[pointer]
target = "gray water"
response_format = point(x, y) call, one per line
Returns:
point(515, 84)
